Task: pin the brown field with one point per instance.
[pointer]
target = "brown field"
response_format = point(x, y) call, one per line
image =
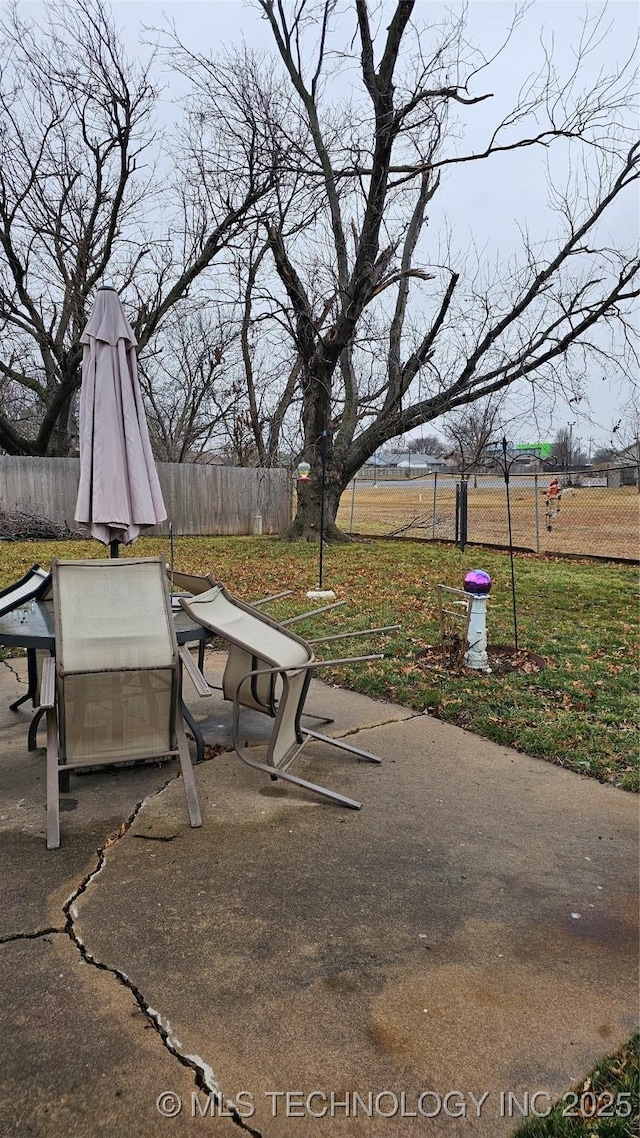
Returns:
point(591, 520)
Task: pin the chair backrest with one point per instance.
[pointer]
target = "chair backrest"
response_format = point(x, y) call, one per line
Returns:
point(248, 628)
point(258, 641)
point(32, 585)
point(116, 659)
point(189, 582)
point(255, 640)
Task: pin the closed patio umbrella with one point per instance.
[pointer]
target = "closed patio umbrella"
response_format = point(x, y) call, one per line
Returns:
point(119, 492)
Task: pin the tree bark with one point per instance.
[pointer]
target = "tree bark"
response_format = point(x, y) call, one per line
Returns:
point(306, 523)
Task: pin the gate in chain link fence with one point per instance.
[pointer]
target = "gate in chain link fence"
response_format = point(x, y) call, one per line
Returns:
point(596, 513)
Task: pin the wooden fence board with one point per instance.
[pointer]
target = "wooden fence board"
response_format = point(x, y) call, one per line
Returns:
point(217, 500)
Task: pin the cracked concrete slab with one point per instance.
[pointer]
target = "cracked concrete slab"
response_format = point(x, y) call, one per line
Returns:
point(81, 1056)
point(83, 1059)
point(472, 929)
point(33, 884)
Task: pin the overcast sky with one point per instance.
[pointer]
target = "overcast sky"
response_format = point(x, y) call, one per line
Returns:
point(486, 202)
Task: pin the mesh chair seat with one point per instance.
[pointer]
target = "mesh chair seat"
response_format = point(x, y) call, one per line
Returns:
point(29, 587)
point(268, 669)
point(117, 674)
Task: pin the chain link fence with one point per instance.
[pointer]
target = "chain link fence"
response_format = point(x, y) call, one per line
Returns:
point(594, 513)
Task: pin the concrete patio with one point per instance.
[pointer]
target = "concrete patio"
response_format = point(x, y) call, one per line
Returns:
point(469, 935)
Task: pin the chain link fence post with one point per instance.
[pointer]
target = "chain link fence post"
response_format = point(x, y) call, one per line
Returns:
point(598, 515)
point(353, 495)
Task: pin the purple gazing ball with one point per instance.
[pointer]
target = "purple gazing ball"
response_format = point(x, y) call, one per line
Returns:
point(477, 582)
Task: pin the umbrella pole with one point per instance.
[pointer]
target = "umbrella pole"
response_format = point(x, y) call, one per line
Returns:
point(113, 549)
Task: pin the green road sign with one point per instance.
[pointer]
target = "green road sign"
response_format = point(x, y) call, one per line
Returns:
point(542, 450)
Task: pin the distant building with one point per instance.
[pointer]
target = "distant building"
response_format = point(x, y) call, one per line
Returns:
point(406, 461)
point(624, 468)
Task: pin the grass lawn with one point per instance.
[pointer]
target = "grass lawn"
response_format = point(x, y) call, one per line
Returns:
point(580, 711)
point(606, 1104)
point(594, 520)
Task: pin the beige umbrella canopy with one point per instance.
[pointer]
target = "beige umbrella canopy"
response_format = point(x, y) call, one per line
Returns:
point(119, 493)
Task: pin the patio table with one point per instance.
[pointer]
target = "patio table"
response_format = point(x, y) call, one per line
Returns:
point(32, 627)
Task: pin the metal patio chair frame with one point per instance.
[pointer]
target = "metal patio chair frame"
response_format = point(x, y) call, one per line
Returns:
point(130, 679)
point(31, 587)
point(269, 669)
point(458, 616)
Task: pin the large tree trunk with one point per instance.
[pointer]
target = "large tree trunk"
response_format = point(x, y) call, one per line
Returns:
point(306, 523)
point(59, 442)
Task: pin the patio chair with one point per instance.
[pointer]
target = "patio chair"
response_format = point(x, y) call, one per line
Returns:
point(195, 584)
point(113, 690)
point(269, 670)
point(192, 583)
point(31, 587)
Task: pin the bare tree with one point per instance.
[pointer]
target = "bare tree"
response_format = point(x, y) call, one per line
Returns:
point(240, 92)
point(625, 439)
point(451, 335)
point(563, 449)
point(86, 193)
point(428, 444)
point(469, 429)
point(186, 384)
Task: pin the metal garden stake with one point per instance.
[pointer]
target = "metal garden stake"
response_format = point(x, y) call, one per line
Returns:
point(506, 467)
point(323, 455)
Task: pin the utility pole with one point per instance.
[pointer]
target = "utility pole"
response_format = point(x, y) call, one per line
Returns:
point(570, 450)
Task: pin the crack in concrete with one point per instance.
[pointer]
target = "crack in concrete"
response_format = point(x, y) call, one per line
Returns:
point(10, 937)
point(204, 1076)
point(156, 837)
point(13, 672)
point(382, 723)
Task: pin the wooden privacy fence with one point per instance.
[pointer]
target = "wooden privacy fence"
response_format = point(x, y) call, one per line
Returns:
point(199, 499)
